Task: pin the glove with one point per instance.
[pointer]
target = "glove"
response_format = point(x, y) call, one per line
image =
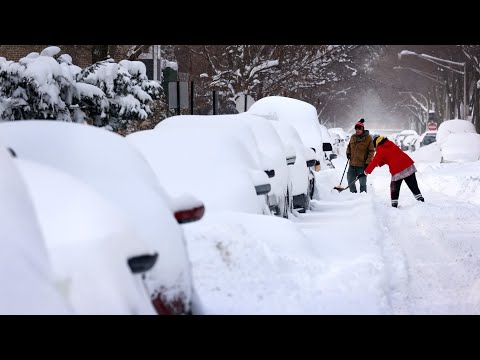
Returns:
point(348, 156)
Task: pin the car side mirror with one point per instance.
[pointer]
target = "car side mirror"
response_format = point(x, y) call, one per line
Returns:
point(327, 147)
point(142, 263)
point(333, 156)
point(10, 150)
point(291, 160)
point(270, 173)
point(263, 189)
point(311, 163)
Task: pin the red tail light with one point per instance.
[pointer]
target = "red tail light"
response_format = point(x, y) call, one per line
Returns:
point(185, 216)
point(173, 307)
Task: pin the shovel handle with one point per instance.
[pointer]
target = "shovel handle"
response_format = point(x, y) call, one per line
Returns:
point(344, 172)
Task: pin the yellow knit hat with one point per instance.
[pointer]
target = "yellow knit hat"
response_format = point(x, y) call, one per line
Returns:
point(378, 140)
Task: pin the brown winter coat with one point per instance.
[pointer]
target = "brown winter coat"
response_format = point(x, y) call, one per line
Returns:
point(361, 149)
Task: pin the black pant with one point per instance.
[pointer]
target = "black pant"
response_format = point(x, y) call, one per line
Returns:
point(352, 173)
point(412, 185)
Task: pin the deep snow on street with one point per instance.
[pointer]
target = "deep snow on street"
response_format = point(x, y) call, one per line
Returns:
point(352, 253)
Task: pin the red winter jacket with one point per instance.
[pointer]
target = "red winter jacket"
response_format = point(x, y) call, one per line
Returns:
point(390, 154)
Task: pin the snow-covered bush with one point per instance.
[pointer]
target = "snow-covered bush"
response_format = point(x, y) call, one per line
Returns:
point(126, 88)
point(48, 86)
point(36, 87)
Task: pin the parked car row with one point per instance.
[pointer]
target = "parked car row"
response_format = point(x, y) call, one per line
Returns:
point(106, 213)
point(426, 138)
point(454, 141)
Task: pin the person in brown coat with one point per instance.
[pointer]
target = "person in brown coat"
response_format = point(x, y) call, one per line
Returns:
point(360, 152)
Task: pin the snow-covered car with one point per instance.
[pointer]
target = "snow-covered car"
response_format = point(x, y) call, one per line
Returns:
point(344, 137)
point(335, 138)
point(424, 139)
point(328, 151)
point(26, 275)
point(427, 138)
point(458, 141)
point(302, 116)
point(402, 136)
point(97, 259)
point(407, 141)
point(110, 165)
point(461, 147)
point(188, 160)
point(219, 125)
point(456, 126)
point(414, 144)
point(301, 172)
point(271, 146)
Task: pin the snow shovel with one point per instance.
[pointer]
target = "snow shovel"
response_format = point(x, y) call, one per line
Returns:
point(340, 185)
point(340, 189)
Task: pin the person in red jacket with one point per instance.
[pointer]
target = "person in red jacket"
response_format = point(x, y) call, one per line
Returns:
point(400, 164)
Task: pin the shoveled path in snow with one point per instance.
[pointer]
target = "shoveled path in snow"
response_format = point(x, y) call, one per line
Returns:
point(422, 258)
point(434, 247)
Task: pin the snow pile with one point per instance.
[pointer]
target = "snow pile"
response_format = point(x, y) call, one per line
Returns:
point(458, 180)
point(429, 153)
point(267, 266)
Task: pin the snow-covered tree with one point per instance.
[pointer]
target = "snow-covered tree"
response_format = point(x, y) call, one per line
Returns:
point(89, 100)
point(126, 88)
point(36, 87)
point(49, 86)
point(262, 70)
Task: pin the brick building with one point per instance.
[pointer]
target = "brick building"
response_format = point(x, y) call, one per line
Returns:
point(82, 55)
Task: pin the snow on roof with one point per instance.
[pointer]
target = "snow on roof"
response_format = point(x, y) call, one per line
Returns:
point(454, 126)
point(301, 115)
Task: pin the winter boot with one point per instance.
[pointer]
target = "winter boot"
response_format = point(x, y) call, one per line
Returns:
point(419, 197)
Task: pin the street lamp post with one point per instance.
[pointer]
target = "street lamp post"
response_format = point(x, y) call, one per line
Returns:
point(422, 73)
point(433, 78)
point(436, 60)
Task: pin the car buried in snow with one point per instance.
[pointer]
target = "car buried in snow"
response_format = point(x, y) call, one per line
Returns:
point(109, 164)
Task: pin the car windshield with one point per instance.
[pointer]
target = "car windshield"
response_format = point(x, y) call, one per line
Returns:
point(429, 139)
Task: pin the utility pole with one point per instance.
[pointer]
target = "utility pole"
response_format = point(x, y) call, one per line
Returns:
point(191, 96)
point(155, 72)
point(465, 103)
point(178, 97)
